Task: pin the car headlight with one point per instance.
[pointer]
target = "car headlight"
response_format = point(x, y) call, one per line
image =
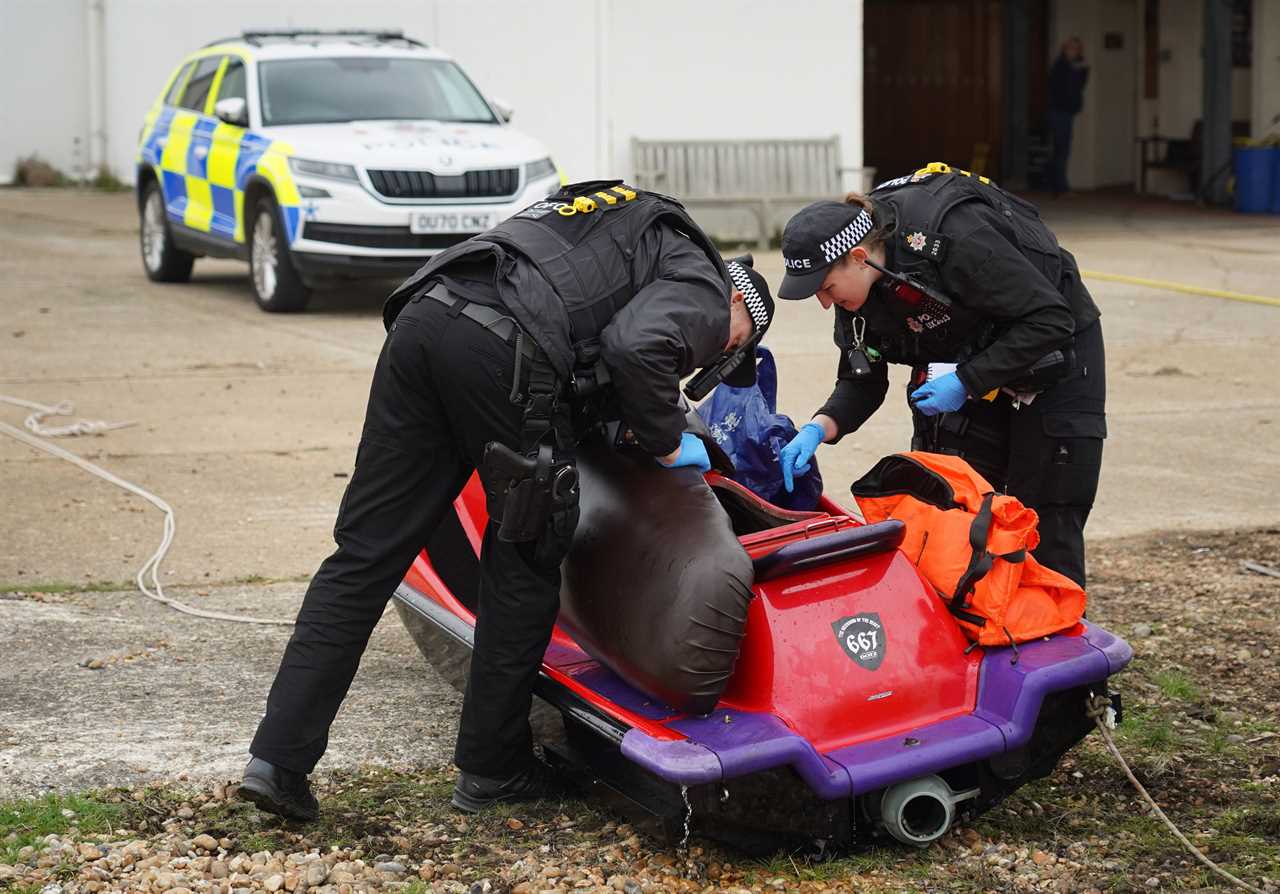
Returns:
point(537, 170)
point(329, 169)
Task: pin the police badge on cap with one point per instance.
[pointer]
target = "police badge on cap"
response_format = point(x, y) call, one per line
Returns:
point(819, 235)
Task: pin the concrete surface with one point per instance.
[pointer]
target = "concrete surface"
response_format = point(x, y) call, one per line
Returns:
point(248, 424)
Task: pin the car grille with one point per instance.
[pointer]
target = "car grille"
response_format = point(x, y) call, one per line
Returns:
point(379, 237)
point(425, 185)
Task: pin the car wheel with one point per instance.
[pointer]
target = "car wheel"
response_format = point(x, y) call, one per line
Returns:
point(276, 284)
point(161, 259)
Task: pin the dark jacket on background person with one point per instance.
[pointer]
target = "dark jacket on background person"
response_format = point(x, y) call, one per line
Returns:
point(1066, 85)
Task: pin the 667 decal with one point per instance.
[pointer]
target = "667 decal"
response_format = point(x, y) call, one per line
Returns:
point(862, 638)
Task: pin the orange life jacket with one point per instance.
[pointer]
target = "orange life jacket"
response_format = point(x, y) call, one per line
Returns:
point(973, 546)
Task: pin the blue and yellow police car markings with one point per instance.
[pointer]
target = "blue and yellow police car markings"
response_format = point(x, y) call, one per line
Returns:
point(153, 146)
point(204, 165)
point(274, 167)
point(198, 147)
point(175, 193)
point(221, 174)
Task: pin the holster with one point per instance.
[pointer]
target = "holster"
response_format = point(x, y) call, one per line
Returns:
point(533, 497)
point(523, 492)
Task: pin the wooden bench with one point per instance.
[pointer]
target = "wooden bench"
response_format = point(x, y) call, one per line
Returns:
point(752, 174)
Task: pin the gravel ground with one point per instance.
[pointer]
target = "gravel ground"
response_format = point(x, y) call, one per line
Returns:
point(1202, 731)
point(248, 425)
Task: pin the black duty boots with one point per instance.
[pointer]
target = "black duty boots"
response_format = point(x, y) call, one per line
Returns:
point(279, 791)
point(473, 793)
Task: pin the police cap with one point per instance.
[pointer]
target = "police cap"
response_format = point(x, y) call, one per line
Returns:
point(815, 238)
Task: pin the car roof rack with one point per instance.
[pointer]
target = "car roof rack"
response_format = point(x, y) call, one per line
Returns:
point(257, 36)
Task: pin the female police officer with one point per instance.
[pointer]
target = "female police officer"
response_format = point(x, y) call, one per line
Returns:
point(489, 347)
point(949, 273)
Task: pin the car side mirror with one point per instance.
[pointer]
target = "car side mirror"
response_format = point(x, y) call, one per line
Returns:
point(505, 112)
point(233, 110)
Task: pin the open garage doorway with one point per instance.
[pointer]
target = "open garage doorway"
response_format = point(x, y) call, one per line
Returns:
point(966, 82)
point(960, 81)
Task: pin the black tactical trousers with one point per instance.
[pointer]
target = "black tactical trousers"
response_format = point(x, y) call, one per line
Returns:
point(440, 392)
point(1048, 454)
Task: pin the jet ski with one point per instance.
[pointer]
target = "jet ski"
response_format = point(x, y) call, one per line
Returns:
point(761, 676)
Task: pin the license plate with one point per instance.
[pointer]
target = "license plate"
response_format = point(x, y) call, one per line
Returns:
point(451, 221)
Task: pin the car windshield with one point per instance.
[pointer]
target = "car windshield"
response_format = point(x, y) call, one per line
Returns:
point(320, 91)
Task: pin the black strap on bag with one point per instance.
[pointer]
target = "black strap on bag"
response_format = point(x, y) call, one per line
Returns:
point(980, 562)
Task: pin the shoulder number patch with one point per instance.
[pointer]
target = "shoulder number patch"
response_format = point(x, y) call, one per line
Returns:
point(924, 243)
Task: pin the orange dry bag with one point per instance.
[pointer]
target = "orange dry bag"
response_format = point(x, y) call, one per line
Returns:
point(973, 545)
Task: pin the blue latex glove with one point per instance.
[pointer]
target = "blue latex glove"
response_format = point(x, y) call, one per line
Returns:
point(692, 453)
point(796, 455)
point(943, 395)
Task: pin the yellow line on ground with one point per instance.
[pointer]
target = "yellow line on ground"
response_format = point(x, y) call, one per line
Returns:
point(1181, 287)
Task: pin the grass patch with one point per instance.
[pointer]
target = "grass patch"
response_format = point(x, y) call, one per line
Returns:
point(32, 170)
point(116, 586)
point(106, 181)
point(905, 864)
point(30, 821)
point(25, 888)
point(88, 586)
point(1150, 737)
point(358, 810)
point(1264, 821)
point(1175, 684)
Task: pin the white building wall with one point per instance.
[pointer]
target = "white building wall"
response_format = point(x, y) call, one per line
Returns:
point(1265, 104)
point(1181, 101)
point(584, 76)
point(43, 84)
point(735, 68)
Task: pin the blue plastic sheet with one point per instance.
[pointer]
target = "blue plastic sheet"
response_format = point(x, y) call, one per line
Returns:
point(747, 426)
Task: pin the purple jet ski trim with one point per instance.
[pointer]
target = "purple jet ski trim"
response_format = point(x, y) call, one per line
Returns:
point(731, 743)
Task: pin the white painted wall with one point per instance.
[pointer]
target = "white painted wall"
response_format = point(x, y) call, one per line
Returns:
point(1115, 82)
point(43, 84)
point(736, 68)
point(1265, 99)
point(1181, 100)
point(584, 76)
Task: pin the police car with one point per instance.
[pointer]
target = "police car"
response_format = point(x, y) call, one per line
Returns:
point(315, 154)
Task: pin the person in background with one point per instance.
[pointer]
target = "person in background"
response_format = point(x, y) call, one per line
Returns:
point(1067, 78)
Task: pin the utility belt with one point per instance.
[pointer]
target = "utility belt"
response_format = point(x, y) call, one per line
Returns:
point(532, 495)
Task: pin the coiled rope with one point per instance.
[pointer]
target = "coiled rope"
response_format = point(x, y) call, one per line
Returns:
point(150, 568)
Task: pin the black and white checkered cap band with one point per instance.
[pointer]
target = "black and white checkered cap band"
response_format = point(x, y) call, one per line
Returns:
point(847, 238)
point(750, 295)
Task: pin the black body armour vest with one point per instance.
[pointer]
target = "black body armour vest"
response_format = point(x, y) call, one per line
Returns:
point(564, 264)
point(907, 326)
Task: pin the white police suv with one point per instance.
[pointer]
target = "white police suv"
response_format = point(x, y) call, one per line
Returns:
point(319, 154)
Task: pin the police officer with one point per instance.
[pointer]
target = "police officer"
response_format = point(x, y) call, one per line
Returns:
point(493, 350)
point(949, 273)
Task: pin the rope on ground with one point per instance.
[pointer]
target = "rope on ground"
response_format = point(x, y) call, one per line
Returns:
point(152, 566)
point(35, 422)
point(1096, 707)
point(1181, 287)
